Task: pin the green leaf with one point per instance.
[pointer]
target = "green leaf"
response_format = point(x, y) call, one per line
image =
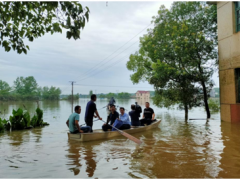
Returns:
point(30, 39)
point(56, 27)
point(68, 21)
point(69, 34)
point(87, 16)
point(24, 19)
point(25, 51)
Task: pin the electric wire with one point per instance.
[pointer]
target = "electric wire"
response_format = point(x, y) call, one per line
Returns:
point(90, 70)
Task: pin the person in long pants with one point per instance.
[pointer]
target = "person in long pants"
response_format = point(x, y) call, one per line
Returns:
point(90, 110)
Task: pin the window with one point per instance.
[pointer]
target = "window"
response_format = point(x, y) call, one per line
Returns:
point(237, 15)
point(237, 73)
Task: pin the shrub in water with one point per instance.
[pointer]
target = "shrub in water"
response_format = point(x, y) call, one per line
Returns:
point(1, 125)
point(214, 105)
point(21, 120)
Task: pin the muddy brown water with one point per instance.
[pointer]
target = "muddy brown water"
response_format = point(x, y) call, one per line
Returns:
point(177, 149)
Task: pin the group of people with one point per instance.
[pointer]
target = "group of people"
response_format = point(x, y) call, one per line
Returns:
point(120, 121)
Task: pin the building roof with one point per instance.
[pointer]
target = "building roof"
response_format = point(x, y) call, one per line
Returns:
point(143, 92)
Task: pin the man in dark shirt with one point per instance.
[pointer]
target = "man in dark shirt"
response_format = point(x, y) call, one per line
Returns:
point(134, 116)
point(148, 115)
point(90, 110)
point(111, 118)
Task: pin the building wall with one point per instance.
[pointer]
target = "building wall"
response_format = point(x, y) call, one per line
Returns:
point(145, 96)
point(229, 59)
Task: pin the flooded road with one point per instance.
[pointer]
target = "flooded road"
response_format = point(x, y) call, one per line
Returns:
point(177, 149)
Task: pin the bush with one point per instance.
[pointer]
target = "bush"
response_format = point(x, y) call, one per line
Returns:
point(21, 120)
point(1, 125)
point(214, 105)
point(4, 124)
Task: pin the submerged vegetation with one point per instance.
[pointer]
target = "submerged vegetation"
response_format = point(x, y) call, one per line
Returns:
point(20, 119)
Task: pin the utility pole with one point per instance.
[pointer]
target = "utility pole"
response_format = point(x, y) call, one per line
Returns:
point(72, 82)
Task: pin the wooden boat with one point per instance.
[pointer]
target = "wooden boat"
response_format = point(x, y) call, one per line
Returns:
point(99, 134)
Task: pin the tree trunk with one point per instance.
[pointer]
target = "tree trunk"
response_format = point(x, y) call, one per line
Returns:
point(204, 91)
point(206, 99)
point(186, 112)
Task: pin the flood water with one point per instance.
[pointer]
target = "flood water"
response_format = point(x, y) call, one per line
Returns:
point(177, 149)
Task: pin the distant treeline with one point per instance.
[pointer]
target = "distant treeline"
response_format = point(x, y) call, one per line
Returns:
point(69, 97)
point(122, 95)
point(27, 89)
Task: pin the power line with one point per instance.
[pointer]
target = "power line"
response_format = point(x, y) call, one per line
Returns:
point(100, 70)
point(90, 70)
point(86, 72)
point(109, 86)
point(114, 63)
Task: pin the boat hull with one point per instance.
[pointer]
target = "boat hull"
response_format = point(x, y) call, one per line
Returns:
point(99, 134)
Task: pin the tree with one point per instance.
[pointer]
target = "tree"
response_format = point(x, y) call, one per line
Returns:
point(51, 93)
point(26, 86)
point(4, 88)
point(90, 93)
point(30, 20)
point(75, 97)
point(102, 95)
point(179, 53)
point(110, 95)
point(123, 95)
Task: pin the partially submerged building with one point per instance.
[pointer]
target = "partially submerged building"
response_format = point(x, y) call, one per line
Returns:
point(143, 95)
point(228, 18)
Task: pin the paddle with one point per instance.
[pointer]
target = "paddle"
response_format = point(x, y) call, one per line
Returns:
point(127, 135)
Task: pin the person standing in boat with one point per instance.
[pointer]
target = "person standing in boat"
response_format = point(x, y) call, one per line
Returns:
point(123, 121)
point(134, 116)
point(73, 120)
point(148, 115)
point(111, 118)
point(90, 110)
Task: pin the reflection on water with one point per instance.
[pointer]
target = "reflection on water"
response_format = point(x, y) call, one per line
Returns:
point(77, 152)
point(230, 158)
point(74, 157)
point(177, 149)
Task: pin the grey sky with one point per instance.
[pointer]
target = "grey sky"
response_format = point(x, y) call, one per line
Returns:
point(55, 60)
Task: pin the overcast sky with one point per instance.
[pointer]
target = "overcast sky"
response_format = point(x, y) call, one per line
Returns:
point(92, 60)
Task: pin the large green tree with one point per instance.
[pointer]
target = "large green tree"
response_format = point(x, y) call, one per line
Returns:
point(51, 93)
point(179, 53)
point(4, 88)
point(90, 93)
point(123, 95)
point(21, 20)
point(26, 86)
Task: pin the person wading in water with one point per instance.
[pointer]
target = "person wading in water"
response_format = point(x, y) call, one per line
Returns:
point(90, 110)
